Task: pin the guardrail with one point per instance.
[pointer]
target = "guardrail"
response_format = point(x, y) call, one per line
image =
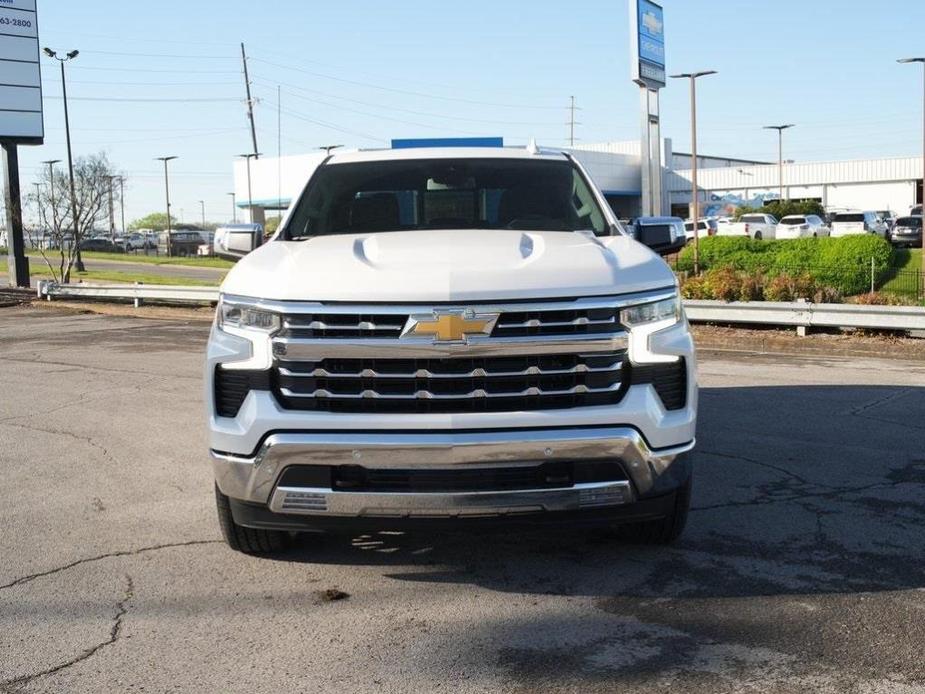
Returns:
point(802, 315)
point(805, 315)
point(137, 292)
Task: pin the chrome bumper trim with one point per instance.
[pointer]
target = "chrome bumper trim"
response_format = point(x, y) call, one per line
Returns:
point(253, 478)
point(325, 502)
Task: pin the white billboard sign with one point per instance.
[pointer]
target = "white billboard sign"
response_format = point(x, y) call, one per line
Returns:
point(20, 73)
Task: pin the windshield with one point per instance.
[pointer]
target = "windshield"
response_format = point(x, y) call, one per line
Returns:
point(368, 197)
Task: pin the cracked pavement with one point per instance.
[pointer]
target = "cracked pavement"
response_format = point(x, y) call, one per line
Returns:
point(801, 570)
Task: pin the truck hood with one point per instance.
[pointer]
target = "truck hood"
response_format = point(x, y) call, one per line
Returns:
point(447, 266)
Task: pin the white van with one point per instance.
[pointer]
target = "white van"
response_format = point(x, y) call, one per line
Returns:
point(848, 223)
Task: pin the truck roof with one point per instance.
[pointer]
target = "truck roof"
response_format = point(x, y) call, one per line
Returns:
point(444, 153)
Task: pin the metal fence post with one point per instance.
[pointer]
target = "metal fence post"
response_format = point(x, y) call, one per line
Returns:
point(137, 298)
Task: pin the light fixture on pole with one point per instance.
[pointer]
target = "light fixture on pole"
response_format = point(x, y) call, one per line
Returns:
point(780, 154)
point(234, 209)
point(250, 201)
point(329, 148)
point(167, 194)
point(79, 264)
point(695, 194)
point(922, 61)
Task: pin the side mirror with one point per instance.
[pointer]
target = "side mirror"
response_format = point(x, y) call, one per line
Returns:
point(233, 244)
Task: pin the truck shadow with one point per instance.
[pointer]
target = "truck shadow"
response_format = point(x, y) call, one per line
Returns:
point(798, 490)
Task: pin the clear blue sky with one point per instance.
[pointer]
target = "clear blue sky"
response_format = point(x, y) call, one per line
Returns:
point(359, 72)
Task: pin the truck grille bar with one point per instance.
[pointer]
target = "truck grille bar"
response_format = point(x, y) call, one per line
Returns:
point(451, 385)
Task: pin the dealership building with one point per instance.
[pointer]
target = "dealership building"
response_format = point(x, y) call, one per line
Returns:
point(724, 182)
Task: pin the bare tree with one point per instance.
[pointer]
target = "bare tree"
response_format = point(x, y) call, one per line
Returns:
point(58, 237)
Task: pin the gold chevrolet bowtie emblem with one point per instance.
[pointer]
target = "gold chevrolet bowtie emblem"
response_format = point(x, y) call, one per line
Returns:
point(450, 326)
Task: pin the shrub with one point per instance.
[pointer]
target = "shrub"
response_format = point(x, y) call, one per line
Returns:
point(724, 283)
point(752, 288)
point(882, 299)
point(695, 288)
point(841, 264)
point(790, 288)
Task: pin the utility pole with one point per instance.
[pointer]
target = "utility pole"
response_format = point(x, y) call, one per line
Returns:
point(167, 194)
point(572, 122)
point(50, 163)
point(695, 194)
point(202, 204)
point(79, 264)
point(112, 212)
point(122, 200)
point(234, 209)
point(922, 61)
point(250, 199)
point(780, 155)
point(250, 101)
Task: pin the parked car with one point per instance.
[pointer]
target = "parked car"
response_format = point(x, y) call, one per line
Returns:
point(135, 241)
point(888, 217)
point(848, 223)
point(182, 243)
point(802, 226)
point(100, 246)
point(756, 226)
point(907, 232)
point(391, 364)
point(705, 227)
point(234, 241)
point(664, 235)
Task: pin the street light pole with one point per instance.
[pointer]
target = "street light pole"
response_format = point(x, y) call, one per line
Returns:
point(922, 61)
point(79, 264)
point(202, 205)
point(250, 201)
point(50, 163)
point(234, 209)
point(695, 208)
point(122, 200)
point(780, 155)
point(167, 195)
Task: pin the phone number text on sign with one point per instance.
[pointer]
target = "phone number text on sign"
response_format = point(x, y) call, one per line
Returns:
point(18, 23)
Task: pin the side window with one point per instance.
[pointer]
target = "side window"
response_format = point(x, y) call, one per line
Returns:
point(586, 207)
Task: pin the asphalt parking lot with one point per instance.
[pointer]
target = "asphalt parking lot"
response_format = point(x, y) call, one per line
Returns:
point(802, 569)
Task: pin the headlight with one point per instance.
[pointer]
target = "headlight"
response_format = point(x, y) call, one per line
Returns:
point(247, 318)
point(656, 312)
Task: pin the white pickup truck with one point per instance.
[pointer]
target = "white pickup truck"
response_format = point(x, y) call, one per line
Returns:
point(449, 336)
point(756, 226)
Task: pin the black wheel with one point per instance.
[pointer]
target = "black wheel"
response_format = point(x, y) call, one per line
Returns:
point(662, 531)
point(757, 236)
point(247, 540)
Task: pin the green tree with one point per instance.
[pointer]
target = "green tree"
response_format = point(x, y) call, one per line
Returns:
point(156, 221)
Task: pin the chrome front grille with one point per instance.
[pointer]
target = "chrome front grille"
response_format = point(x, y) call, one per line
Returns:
point(503, 357)
point(452, 385)
point(346, 325)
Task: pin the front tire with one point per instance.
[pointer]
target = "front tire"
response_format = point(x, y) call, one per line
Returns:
point(247, 540)
point(662, 531)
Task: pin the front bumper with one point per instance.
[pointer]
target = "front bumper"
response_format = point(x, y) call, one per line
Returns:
point(644, 472)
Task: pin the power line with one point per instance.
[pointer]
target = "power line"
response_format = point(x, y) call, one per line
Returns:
point(325, 124)
point(426, 114)
point(401, 91)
